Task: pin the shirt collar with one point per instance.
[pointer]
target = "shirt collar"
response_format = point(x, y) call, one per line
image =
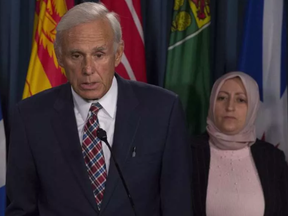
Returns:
point(108, 101)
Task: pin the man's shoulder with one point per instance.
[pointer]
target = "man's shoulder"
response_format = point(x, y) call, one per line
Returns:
point(44, 98)
point(151, 91)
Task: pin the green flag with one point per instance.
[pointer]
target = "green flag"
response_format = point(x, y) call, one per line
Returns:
point(188, 64)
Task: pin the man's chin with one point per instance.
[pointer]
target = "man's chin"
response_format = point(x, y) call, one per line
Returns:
point(91, 97)
point(91, 94)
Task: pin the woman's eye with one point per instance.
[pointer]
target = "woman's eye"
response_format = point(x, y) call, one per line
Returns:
point(241, 100)
point(220, 98)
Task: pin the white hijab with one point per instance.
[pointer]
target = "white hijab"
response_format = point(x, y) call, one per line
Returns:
point(247, 136)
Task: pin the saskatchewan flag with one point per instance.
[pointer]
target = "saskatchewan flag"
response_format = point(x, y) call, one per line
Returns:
point(188, 64)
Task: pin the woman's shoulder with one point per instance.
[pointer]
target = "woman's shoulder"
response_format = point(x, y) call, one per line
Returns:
point(263, 144)
point(269, 148)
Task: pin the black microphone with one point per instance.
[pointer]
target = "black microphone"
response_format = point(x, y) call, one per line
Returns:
point(101, 134)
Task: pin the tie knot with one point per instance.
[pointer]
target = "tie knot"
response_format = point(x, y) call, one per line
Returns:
point(95, 107)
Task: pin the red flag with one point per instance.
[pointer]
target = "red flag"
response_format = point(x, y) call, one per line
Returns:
point(133, 60)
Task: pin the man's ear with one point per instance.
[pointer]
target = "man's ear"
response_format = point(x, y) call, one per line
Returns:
point(59, 55)
point(119, 53)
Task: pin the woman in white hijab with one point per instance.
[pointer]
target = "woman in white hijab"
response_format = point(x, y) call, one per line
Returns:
point(234, 173)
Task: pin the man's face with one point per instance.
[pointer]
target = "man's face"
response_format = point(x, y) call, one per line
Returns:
point(88, 57)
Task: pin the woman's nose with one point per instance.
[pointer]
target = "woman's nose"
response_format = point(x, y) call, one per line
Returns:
point(230, 105)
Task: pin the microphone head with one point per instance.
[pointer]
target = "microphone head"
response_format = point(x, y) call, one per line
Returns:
point(101, 134)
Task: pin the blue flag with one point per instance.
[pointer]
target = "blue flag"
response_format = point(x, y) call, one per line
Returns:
point(2, 165)
point(264, 58)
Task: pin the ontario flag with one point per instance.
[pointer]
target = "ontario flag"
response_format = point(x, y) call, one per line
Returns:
point(44, 71)
point(264, 58)
point(132, 65)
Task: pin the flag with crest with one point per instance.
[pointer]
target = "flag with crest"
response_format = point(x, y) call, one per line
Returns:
point(188, 64)
point(44, 71)
point(264, 58)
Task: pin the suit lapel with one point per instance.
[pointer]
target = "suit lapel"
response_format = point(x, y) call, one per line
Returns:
point(206, 154)
point(262, 166)
point(64, 123)
point(126, 124)
point(201, 163)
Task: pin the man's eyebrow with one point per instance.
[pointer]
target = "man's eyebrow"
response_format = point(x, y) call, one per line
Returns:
point(96, 49)
point(101, 48)
point(75, 51)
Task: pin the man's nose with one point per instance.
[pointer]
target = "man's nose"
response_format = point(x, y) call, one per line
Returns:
point(88, 66)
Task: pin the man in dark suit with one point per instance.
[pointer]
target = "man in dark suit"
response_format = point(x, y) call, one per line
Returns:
point(57, 164)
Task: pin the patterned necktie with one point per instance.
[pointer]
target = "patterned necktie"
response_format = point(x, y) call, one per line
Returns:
point(93, 154)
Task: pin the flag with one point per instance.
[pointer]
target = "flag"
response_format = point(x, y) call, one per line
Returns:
point(2, 165)
point(188, 64)
point(132, 65)
point(44, 71)
point(264, 58)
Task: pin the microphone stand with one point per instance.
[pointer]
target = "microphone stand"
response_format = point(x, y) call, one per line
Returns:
point(101, 134)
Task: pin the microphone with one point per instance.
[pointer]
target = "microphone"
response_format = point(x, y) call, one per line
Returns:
point(101, 134)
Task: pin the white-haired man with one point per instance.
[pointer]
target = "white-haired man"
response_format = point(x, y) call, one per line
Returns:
point(57, 164)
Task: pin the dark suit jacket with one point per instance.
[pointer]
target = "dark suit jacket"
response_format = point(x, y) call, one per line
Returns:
point(271, 166)
point(46, 171)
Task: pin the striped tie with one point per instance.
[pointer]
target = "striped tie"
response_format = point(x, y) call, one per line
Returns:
point(93, 154)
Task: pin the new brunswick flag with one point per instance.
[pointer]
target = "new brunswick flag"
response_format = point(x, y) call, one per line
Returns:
point(44, 71)
point(188, 66)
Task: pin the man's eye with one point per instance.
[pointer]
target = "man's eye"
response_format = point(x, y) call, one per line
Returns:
point(75, 56)
point(99, 55)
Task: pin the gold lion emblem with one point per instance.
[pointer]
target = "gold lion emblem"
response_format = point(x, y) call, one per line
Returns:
point(182, 21)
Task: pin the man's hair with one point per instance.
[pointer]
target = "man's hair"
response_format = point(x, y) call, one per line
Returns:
point(85, 13)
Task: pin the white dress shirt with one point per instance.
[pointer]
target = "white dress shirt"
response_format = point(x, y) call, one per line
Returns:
point(106, 116)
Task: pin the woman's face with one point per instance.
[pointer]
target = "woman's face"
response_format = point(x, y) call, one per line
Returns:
point(231, 107)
